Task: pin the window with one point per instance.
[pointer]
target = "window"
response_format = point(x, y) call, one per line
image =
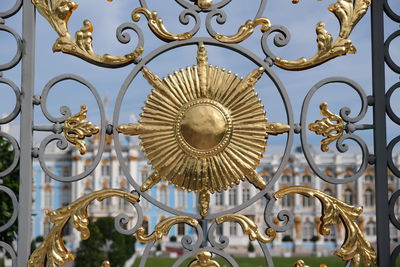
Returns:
point(46, 228)
point(286, 179)
point(390, 193)
point(164, 196)
point(348, 196)
point(47, 199)
point(219, 199)
point(233, 196)
point(370, 230)
point(265, 177)
point(143, 176)
point(369, 179)
point(220, 229)
point(106, 170)
point(369, 198)
point(393, 233)
point(47, 179)
point(246, 194)
point(145, 225)
point(332, 235)
point(306, 179)
point(307, 202)
point(328, 192)
point(308, 231)
point(181, 229)
point(181, 199)
point(287, 201)
point(233, 229)
point(65, 197)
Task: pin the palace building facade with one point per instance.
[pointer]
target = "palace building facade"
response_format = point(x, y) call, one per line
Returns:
point(301, 239)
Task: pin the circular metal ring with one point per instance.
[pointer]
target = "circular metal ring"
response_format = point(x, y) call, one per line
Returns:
point(244, 52)
point(395, 67)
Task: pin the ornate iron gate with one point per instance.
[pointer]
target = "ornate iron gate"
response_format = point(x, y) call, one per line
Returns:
point(203, 129)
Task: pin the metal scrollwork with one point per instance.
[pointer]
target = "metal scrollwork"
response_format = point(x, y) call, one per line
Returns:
point(57, 13)
point(76, 128)
point(57, 127)
point(200, 145)
point(249, 227)
point(163, 227)
point(355, 247)
point(156, 24)
point(350, 127)
point(331, 127)
point(245, 31)
point(349, 13)
point(53, 251)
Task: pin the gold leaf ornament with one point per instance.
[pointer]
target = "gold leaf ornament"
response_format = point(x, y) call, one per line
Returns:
point(245, 31)
point(52, 251)
point(349, 13)
point(76, 129)
point(156, 25)
point(203, 129)
point(162, 228)
point(355, 247)
point(57, 13)
point(249, 227)
point(332, 127)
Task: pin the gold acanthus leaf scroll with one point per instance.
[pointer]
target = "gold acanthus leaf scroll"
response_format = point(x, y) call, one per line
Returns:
point(249, 227)
point(355, 247)
point(156, 25)
point(57, 13)
point(245, 31)
point(349, 13)
point(52, 252)
point(332, 127)
point(76, 129)
point(162, 228)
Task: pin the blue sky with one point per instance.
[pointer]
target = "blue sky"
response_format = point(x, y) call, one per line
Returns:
point(106, 16)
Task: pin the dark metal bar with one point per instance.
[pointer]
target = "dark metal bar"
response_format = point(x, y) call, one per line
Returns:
point(379, 114)
point(26, 134)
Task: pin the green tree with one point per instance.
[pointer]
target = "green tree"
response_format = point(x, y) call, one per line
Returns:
point(109, 244)
point(90, 252)
point(11, 181)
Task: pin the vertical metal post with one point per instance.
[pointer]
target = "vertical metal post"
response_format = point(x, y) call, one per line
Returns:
point(379, 114)
point(26, 134)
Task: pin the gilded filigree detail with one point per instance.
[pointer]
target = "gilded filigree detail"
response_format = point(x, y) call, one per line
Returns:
point(204, 259)
point(245, 31)
point(332, 127)
point(52, 251)
point(355, 247)
point(156, 25)
point(249, 227)
point(203, 129)
point(162, 228)
point(76, 129)
point(204, 203)
point(349, 13)
point(301, 263)
point(57, 13)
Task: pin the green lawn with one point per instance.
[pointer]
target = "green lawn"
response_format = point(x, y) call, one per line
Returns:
point(251, 262)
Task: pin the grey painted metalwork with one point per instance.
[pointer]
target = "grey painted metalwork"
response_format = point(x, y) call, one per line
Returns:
point(206, 233)
point(26, 136)
point(344, 113)
point(379, 116)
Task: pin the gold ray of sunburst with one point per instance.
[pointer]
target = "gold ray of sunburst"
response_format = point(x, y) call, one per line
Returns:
point(203, 129)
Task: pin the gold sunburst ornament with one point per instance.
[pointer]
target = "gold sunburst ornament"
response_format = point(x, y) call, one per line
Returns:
point(203, 129)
